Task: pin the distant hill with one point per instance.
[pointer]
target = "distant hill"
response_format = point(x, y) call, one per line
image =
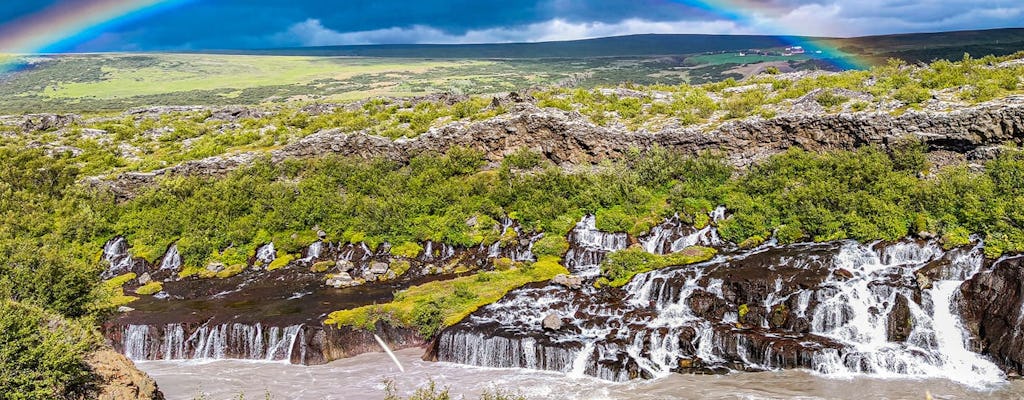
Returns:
point(617, 46)
point(911, 47)
point(937, 45)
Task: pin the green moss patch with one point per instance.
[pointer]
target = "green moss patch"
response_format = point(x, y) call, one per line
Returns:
point(435, 305)
point(281, 261)
point(322, 266)
point(407, 250)
point(231, 271)
point(150, 288)
point(621, 266)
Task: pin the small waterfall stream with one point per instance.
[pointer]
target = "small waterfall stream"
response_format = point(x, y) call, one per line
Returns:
point(220, 341)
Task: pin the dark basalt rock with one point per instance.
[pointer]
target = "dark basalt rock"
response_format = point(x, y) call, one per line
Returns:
point(991, 306)
point(900, 323)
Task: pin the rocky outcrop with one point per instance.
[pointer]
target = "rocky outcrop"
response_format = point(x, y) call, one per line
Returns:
point(39, 122)
point(567, 138)
point(118, 379)
point(992, 306)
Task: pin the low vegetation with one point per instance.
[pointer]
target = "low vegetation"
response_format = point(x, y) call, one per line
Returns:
point(432, 306)
point(54, 225)
point(621, 266)
point(430, 391)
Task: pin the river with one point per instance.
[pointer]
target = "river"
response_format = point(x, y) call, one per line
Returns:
point(362, 377)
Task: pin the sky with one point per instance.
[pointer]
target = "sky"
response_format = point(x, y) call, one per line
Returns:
point(242, 24)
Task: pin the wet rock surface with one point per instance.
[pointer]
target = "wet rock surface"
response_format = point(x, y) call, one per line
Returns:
point(768, 308)
point(992, 304)
point(276, 315)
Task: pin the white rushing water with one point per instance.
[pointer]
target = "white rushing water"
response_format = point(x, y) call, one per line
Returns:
point(212, 342)
point(362, 378)
point(854, 320)
point(868, 292)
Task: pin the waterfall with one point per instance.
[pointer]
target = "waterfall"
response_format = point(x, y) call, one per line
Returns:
point(266, 253)
point(115, 252)
point(220, 341)
point(588, 246)
point(171, 260)
point(136, 342)
point(313, 252)
point(838, 309)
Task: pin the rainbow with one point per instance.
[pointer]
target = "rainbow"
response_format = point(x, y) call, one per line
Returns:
point(749, 13)
point(70, 22)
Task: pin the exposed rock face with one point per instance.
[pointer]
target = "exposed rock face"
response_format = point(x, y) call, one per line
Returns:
point(568, 138)
point(119, 379)
point(552, 322)
point(992, 305)
point(569, 281)
point(41, 122)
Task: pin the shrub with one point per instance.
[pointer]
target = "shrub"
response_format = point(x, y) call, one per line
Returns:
point(550, 246)
point(912, 94)
point(41, 354)
point(621, 266)
point(828, 99)
point(407, 250)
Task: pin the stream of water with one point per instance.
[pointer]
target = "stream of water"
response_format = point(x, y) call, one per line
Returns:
point(362, 377)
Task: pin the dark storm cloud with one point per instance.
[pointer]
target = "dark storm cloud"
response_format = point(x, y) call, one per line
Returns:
point(222, 24)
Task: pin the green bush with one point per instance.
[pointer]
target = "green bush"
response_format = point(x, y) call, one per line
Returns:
point(621, 266)
point(550, 246)
point(41, 354)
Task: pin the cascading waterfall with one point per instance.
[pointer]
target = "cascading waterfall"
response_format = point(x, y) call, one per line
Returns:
point(220, 341)
point(266, 253)
point(588, 246)
point(171, 260)
point(673, 235)
point(115, 252)
point(837, 309)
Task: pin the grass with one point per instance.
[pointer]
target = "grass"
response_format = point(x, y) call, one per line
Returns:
point(435, 305)
point(179, 72)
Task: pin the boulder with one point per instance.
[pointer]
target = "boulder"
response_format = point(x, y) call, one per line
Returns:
point(215, 267)
point(341, 280)
point(899, 324)
point(145, 278)
point(378, 268)
point(552, 322)
point(990, 304)
point(569, 281)
point(344, 265)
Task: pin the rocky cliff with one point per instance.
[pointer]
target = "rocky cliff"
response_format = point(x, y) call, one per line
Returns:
point(569, 139)
point(992, 305)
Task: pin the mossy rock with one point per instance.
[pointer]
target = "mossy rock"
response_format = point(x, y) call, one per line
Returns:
point(231, 271)
point(120, 280)
point(752, 242)
point(399, 267)
point(150, 288)
point(281, 261)
point(503, 264)
point(322, 266)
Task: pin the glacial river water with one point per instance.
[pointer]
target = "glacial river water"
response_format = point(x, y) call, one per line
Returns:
point(362, 377)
